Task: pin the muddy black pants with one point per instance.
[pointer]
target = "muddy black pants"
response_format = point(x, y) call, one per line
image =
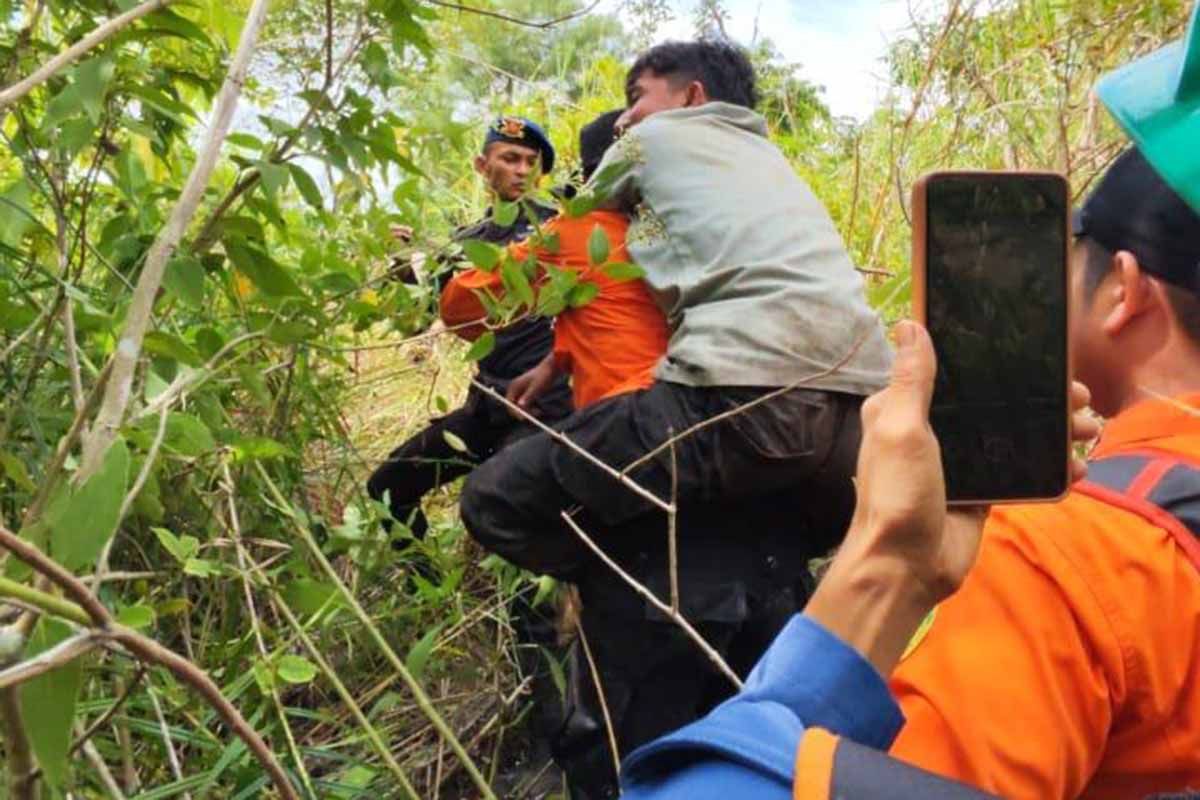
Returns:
point(759, 493)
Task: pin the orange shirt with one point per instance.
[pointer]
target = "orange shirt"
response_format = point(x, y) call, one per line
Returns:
point(1068, 664)
point(609, 346)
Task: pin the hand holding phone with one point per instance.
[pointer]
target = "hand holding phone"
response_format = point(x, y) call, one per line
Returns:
point(990, 279)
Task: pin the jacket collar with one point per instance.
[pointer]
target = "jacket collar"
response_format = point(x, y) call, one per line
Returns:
point(1150, 420)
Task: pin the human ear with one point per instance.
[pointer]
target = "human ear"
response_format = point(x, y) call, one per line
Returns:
point(1133, 293)
point(481, 165)
point(696, 95)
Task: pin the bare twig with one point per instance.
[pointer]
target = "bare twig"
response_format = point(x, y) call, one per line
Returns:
point(744, 407)
point(541, 25)
point(62, 653)
point(172, 758)
point(673, 615)
point(18, 90)
point(19, 763)
point(129, 345)
point(672, 528)
point(599, 684)
point(620, 477)
point(92, 754)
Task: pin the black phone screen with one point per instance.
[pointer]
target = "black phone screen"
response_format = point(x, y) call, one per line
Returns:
point(996, 308)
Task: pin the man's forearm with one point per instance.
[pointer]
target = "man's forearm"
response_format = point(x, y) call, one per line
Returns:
point(872, 603)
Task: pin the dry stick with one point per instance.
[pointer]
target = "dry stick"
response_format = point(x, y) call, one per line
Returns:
point(672, 529)
point(20, 763)
point(149, 650)
point(744, 407)
point(608, 726)
point(65, 651)
point(675, 616)
point(43, 73)
point(550, 23)
point(423, 701)
point(104, 718)
point(620, 477)
point(172, 758)
point(235, 526)
point(92, 754)
point(129, 345)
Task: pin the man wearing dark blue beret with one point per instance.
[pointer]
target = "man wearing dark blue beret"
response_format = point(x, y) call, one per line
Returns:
point(515, 153)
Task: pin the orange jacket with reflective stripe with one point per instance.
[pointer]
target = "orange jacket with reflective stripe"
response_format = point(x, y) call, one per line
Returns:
point(1068, 664)
point(609, 346)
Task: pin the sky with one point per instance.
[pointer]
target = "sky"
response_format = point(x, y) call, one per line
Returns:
point(837, 42)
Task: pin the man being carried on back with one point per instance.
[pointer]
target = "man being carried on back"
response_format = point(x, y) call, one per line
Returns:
point(768, 326)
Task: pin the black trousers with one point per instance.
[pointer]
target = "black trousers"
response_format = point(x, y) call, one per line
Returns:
point(428, 460)
point(759, 493)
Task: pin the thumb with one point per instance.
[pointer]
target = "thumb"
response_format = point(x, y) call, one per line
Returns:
point(914, 369)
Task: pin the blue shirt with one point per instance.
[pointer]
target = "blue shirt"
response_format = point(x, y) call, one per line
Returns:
point(746, 747)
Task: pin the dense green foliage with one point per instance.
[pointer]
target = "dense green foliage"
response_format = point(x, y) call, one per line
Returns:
point(282, 362)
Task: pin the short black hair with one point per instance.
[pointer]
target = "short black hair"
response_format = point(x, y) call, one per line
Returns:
point(722, 68)
point(1098, 263)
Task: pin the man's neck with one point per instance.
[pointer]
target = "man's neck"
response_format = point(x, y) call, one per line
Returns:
point(1172, 373)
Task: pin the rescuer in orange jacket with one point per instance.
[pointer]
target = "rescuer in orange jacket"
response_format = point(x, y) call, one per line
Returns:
point(609, 345)
point(1068, 665)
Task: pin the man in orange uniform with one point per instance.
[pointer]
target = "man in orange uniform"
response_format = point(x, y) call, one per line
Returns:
point(608, 346)
point(1068, 665)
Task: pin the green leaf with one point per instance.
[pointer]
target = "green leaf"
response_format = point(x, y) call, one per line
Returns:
point(61, 107)
point(91, 82)
point(88, 518)
point(623, 271)
point(259, 448)
point(515, 281)
point(270, 278)
point(274, 177)
point(482, 254)
point(185, 434)
point(168, 345)
point(48, 703)
point(295, 669)
point(180, 548)
point(505, 213)
point(184, 278)
point(481, 347)
point(418, 656)
point(136, 617)
point(598, 246)
point(201, 568)
point(242, 139)
point(455, 442)
point(308, 596)
point(307, 187)
point(583, 294)
point(14, 468)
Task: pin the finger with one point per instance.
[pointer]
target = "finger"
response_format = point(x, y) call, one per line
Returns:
point(913, 371)
point(1084, 427)
point(1078, 469)
point(1081, 396)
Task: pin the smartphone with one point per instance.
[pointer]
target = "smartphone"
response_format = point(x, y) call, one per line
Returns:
point(990, 284)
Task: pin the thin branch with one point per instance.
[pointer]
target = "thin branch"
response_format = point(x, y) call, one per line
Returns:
point(193, 378)
point(92, 754)
point(172, 758)
point(621, 477)
point(61, 654)
point(129, 345)
point(48, 603)
point(19, 763)
point(608, 726)
point(112, 710)
point(543, 25)
point(72, 586)
point(673, 528)
point(18, 90)
point(744, 407)
point(674, 616)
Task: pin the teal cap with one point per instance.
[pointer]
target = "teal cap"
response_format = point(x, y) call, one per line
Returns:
point(1156, 99)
